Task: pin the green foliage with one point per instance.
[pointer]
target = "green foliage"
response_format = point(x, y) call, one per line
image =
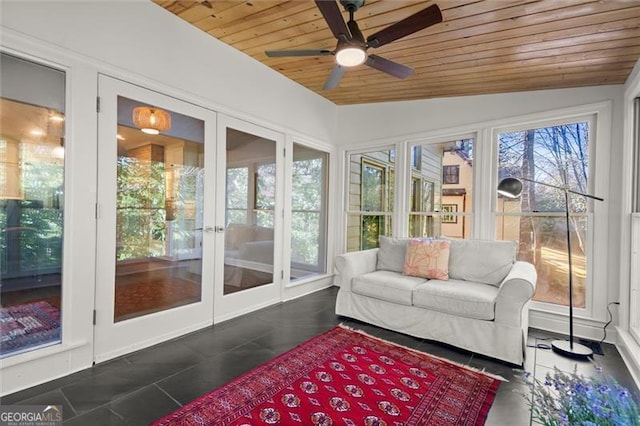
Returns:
point(37, 221)
point(306, 201)
point(141, 211)
point(371, 231)
point(372, 188)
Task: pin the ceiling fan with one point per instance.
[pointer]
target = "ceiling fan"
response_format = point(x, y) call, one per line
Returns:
point(351, 49)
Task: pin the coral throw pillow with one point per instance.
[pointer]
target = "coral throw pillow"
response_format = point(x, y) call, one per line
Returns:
point(427, 259)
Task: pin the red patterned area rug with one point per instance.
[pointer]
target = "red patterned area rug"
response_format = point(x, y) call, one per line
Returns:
point(346, 377)
point(25, 327)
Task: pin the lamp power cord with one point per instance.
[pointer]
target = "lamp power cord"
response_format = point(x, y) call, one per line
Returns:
point(604, 329)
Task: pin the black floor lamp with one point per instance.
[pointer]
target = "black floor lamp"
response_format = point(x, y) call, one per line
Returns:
point(512, 188)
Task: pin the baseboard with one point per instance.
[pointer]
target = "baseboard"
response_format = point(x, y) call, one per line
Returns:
point(297, 290)
point(143, 344)
point(630, 352)
point(588, 329)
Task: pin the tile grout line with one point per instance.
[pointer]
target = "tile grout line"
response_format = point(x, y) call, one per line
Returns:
point(167, 393)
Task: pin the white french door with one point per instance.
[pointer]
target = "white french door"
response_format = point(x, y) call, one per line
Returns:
point(249, 198)
point(155, 236)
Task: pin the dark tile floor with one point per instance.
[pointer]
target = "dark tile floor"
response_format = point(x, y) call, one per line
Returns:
point(141, 387)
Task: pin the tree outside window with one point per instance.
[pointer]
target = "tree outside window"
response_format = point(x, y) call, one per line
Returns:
point(308, 212)
point(536, 220)
point(265, 198)
point(237, 195)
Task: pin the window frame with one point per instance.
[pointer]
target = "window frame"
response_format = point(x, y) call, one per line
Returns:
point(446, 175)
point(485, 181)
point(321, 265)
point(599, 118)
point(390, 190)
point(436, 213)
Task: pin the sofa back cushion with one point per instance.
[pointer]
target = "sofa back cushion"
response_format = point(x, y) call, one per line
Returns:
point(236, 234)
point(391, 254)
point(427, 259)
point(482, 261)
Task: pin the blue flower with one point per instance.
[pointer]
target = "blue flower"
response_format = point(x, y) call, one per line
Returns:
point(571, 399)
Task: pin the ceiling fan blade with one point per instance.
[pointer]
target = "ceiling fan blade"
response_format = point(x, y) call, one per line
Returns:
point(416, 22)
point(334, 77)
point(285, 53)
point(331, 13)
point(390, 67)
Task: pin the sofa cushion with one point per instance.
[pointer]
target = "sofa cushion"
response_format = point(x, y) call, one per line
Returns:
point(391, 253)
point(482, 261)
point(236, 234)
point(386, 285)
point(427, 259)
point(456, 297)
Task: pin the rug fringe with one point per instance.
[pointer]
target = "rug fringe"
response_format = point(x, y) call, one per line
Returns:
point(467, 367)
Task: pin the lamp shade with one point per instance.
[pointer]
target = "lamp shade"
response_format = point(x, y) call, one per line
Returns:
point(151, 120)
point(510, 187)
point(350, 56)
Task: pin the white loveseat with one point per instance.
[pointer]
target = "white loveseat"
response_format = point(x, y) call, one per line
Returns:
point(483, 306)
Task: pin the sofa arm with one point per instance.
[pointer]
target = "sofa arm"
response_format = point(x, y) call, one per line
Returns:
point(350, 265)
point(515, 291)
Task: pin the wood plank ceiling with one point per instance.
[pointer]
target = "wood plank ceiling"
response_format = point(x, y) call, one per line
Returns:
point(491, 46)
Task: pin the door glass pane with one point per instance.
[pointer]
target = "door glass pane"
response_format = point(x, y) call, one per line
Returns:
point(536, 219)
point(251, 180)
point(442, 189)
point(31, 205)
point(159, 210)
point(308, 212)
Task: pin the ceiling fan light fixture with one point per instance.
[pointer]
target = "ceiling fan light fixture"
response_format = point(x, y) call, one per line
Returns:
point(151, 120)
point(350, 56)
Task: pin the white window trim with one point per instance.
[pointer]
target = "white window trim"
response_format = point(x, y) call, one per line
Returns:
point(327, 257)
point(345, 184)
point(406, 177)
point(599, 117)
point(587, 322)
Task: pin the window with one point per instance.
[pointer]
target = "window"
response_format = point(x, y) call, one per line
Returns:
point(548, 154)
point(438, 207)
point(451, 175)
point(416, 157)
point(32, 176)
point(447, 217)
point(373, 200)
point(371, 181)
point(308, 212)
point(422, 191)
point(265, 194)
point(237, 195)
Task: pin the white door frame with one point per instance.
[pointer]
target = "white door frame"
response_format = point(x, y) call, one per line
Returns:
point(115, 339)
point(248, 300)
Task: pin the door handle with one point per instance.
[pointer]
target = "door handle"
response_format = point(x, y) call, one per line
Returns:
point(219, 229)
point(205, 229)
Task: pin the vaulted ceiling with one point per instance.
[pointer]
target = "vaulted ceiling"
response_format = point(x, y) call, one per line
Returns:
point(481, 47)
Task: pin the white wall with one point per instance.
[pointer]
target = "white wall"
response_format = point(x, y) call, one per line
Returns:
point(142, 38)
point(408, 119)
